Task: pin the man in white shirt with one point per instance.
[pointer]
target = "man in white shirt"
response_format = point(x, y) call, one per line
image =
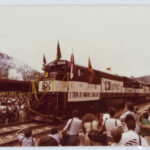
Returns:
point(131, 138)
point(72, 128)
point(129, 109)
point(111, 123)
point(105, 117)
point(22, 113)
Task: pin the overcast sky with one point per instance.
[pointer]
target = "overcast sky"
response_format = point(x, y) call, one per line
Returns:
point(112, 36)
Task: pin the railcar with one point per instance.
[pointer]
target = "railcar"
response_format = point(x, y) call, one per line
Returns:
point(7, 85)
point(57, 93)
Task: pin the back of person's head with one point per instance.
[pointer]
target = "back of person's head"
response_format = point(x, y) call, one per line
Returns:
point(136, 109)
point(28, 132)
point(47, 141)
point(131, 124)
point(75, 113)
point(130, 106)
point(145, 115)
point(111, 111)
point(88, 117)
point(116, 134)
point(54, 131)
point(129, 117)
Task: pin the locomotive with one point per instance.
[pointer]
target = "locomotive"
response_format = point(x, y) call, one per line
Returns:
point(66, 86)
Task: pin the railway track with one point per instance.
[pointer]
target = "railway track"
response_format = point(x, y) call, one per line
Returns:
point(13, 126)
point(8, 132)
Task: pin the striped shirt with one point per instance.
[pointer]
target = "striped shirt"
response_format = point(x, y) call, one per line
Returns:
point(131, 138)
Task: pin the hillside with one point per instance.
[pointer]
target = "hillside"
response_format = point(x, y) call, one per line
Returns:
point(144, 79)
point(11, 68)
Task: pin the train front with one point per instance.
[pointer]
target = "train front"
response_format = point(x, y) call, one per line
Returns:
point(51, 98)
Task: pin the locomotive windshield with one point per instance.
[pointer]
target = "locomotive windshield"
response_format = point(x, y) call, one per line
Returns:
point(56, 69)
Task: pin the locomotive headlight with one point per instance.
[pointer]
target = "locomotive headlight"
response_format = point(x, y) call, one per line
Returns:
point(45, 74)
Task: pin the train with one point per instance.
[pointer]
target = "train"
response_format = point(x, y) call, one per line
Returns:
point(66, 86)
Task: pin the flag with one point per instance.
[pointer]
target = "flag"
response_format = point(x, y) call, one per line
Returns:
point(90, 71)
point(72, 67)
point(58, 52)
point(44, 60)
point(109, 68)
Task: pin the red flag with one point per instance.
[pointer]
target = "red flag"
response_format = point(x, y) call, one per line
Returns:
point(90, 71)
point(72, 67)
point(58, 52)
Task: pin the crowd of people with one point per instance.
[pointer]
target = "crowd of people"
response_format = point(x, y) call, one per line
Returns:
point(13, 108)
point(90, 130)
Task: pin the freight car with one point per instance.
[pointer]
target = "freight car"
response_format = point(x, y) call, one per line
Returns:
point(66, 86)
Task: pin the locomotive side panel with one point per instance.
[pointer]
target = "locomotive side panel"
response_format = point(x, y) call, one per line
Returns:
point(111, 86)
point(52, 86)
point(64, 93)
point(82, 91)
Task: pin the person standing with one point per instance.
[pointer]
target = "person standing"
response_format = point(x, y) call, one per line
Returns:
point(130, 117)
point(129, 109)
point(131, 138)
point(54, 134)
point(110, 124)
point(3, 109)
point(27, 139)
point(72, 129)
point(116, 136)
point(90, 122)
point(145, 123)
point(22, 114)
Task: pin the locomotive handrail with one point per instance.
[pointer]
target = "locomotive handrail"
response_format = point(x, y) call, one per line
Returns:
point(67, 74)
point(35, 93)
point(34, 90)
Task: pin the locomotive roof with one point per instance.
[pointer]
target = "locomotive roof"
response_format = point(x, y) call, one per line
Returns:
point(101, 74)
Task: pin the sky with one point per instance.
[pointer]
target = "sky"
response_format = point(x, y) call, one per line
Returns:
point(116, 36)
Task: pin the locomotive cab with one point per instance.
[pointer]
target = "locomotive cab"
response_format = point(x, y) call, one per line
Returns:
point(52, 88)
point(56, 70)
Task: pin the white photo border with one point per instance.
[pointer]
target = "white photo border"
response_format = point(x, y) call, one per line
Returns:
point(75, 2)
